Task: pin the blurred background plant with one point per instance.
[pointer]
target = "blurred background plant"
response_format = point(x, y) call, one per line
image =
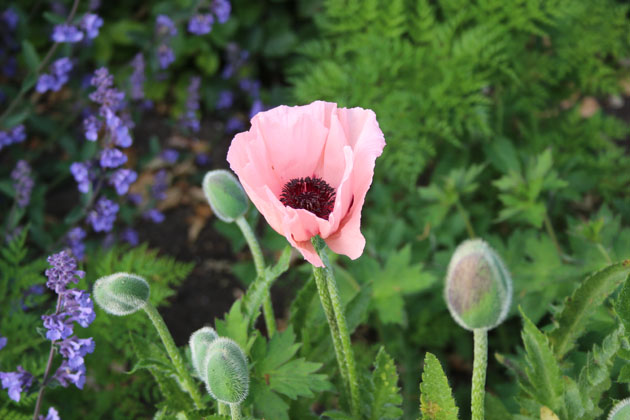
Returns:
point(504, 120)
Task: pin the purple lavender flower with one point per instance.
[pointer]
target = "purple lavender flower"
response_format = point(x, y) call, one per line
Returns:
point(105, 94)
point(154, 215)
point(10, 17)
point(3, 342)
point(236, 58)
point(91, 126)
point(57, 77)
point(74, 240)
point(137, 77)
point(190, 120)
point(16, 135)
point(252, 87)
point(165, 26)
point(66, 33)
point(130, 236)
point(74, 350)
point(170, 155)
point(165, 56)
point(52, 415)
point(200, 24)
point(158, 189)
point(117, 129)
point(78, 306)
point(135, 198)
point(257, 107)
point(112, 158)
point(221, 9)
point(202, 159)
point(91, 23)
point(122, 179)
point(233, 125)
point(226, 99)
point(103, 216)
point(66, 375)
point(16, 382)
point(63, 271)
point(22, 183)
point(58, 326)
point(81, 173)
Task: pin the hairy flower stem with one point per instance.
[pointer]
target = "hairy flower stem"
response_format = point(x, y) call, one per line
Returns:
point(235, 411)
point(480, 364)
point(259, 262)
point(342, 325)
point(51, 355)
point(173, 354)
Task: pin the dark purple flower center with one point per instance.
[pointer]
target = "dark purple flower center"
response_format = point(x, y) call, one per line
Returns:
point(310, 193)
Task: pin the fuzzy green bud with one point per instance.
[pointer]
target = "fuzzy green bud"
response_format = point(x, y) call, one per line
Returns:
point(621, 410)
point(199, 343)
point(225, 195)
point(227, 373)
point(478, 288)
point(121, 293)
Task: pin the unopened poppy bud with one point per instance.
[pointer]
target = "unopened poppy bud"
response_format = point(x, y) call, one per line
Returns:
point(225, 195)
point(200, 342)
point(621, 410)
point(478, 286)
point(227, 373)
point(121, 293)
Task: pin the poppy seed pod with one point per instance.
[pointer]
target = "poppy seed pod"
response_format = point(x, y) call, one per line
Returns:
point(121, 293)
point(227, 373)
point(478, 288)
point(225, 195)
point(200, 342)
point(621, 410)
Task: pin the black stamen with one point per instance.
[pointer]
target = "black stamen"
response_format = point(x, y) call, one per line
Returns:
point(310, 193)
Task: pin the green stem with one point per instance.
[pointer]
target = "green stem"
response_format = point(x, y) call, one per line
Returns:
point(259, 262)
point(174, 354)
point(342, 325)
point(552, 235)
point(223, 409)
point(324, 297)
point(235, 411)
point(480, 364)
point(462, 211)
point(603, 251)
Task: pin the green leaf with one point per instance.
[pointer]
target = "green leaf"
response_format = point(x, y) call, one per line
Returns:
point(397, 278)
point(386, 398)
point(255, 294)
point(544, 380)
point(267, 403)
point(283, 374)
point(30, 56)
point(436, 397)
point(622, 304)
point(595, 375)
point(571, 321)
point(235, 327)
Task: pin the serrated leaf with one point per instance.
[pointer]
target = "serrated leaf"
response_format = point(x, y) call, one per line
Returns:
point(235, 326)
point(436, 397)
point(282, 373)
point(572, 320)
point(397, 278)
point(386, 398)
point(544, 380)
point(267, 403)
point(595, 375)
point(622, 304)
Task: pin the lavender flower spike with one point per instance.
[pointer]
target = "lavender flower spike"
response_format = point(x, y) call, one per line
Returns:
point(91, 23)
point(23, 183)
point(200, 24)
point(103, 216)
point(53, 414)
point(63, 271)
point(3, 342)
point(67, 33)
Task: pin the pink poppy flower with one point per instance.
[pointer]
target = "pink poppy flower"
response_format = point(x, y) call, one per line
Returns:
point(307, 170)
